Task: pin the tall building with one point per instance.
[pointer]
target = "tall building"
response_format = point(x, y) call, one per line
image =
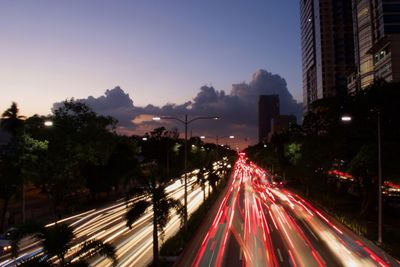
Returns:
point(268, 109)
point(327, 47)
point(377, 42)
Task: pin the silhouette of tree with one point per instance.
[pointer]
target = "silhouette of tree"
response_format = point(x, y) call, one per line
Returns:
point(57, 241)
point(154, 196)
point(152, 185)
point(11, 120)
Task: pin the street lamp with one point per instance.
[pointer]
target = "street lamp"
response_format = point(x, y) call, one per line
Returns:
point(217, 137)
point(347, 118)
point(48, 123)
point(186, 122)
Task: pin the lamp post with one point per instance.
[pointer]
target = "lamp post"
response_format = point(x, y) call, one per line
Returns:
point(347, 118)
point(23, 180)
point(186, 122)
point(217, 137)
point(379, 179)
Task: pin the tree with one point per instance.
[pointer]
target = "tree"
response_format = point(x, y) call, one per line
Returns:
point(161, 204)
point(19, 158)
point(152, 185)
point(10, 180)
point(78, 138)
point(212, 176)
point(57, 241)
point(10, 174)
point(11, 121)
point(159, 164)
point(202, 180)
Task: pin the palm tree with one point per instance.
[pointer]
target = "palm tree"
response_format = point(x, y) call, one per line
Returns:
point(155, 196)
point(57, 242)
point(202, 180)
point(213, 179)
point(11, 121)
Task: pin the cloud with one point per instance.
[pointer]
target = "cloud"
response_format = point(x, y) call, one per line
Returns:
point(238, 109)
point(115, 102)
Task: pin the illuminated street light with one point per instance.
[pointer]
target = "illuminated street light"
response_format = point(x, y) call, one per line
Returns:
point(346, 118)
point(144, 138)
point(48, 123)
point(217, 137)
point(186, 122)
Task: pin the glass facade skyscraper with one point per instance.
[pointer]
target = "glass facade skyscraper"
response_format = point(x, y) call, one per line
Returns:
point(327, 47)
point(377, 41)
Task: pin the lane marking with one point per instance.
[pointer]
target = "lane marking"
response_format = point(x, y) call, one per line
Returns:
point(308, 228)
point(279, 254)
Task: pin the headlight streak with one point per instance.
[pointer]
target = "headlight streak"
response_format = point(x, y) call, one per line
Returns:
point(108, 223)
point(127, 251)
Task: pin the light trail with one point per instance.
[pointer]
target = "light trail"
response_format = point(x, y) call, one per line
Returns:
point(270, 226)
point(133, 246)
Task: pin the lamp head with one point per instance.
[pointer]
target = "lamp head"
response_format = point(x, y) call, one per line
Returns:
point(48, 123)
point(346, 118)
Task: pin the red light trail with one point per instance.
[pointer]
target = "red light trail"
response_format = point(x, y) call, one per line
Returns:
point(271, 226)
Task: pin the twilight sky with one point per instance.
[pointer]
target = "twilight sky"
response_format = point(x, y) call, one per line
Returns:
point(157, 51)
point(134, 59)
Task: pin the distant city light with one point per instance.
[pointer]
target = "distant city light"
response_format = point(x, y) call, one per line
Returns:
point(202, 137)
point(156, 118)
point(144, 138)
point(232, 137)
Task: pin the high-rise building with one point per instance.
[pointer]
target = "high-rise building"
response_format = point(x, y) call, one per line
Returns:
point(268, 109)
point(377, 42)
point(327, 47)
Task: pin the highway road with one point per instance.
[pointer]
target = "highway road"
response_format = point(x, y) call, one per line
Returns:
point(258, 224)
point(133, 246)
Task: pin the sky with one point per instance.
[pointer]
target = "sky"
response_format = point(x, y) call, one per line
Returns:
point(156, 52)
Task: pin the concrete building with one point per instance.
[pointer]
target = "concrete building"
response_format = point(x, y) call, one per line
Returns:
point(268, 108)
point(327, 48)
point(376, 26)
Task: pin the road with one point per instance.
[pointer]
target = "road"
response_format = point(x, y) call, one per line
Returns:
point(133, 246)
point(258, 224)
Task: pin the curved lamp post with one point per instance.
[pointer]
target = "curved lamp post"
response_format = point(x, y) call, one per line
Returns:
point(186, 122)
point(217, 137)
